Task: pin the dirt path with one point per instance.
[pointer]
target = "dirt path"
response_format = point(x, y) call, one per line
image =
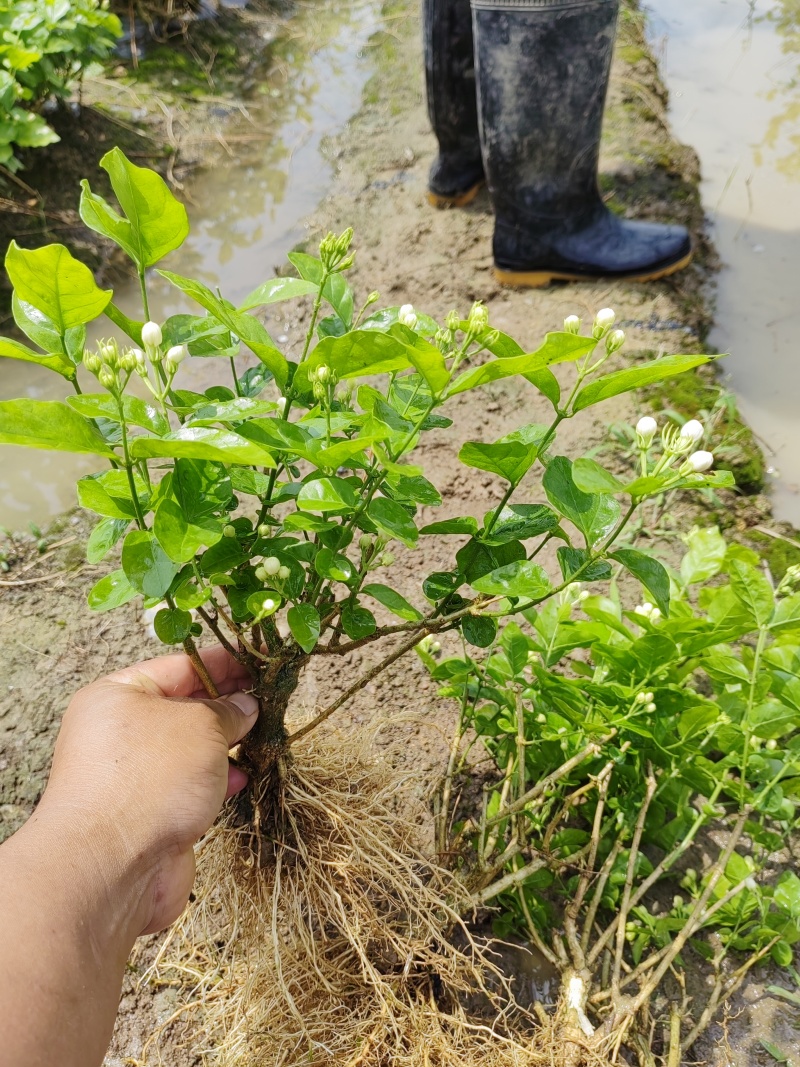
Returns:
point(411, 253)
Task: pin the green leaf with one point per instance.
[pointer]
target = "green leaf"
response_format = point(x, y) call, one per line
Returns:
point(464, 525)
point(244, 326)
point(440, 584)
point(155, 223)
point(40, 329)
point(108, 494)
point(479, 630)
point(340, 452)
point(247, 481)
point(178, 536)
point(571, 560)
point(330, 564)
point(590, 477)
point(131, 327)
point(278, 289)
point(172, 625)
point(787, 893)
point(510, 459)
point(201, 442)
point(557, 348)
point(753, 590)
point(706, 555)
point(595, 515)
point(111, 592)
point(336, 291)
point(518, 522)
point(103, 538)
point(622, 381)
point(393, 520)
point(787, 614)
point(146, 565)
point(397, 604)
point(327, 494)
point(357, 622)
point(523, 578)
point(57, 284)
point(49, 424)
point(357, 354)
point(649, 572)
point(236, 410)
point(424, 357)
point(57, 362)
point(263, 603)
point(136, 412)
point(304, 622)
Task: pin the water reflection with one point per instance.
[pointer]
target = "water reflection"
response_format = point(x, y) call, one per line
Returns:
point(732, 70)
point(246, 213)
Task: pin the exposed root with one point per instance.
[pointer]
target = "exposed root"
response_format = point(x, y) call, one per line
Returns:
point(325, 938)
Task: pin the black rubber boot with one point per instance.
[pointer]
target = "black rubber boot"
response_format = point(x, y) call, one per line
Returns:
point(542, 71)
point(457, 172)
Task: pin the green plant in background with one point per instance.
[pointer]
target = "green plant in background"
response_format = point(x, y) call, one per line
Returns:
point(268, 510)
point(646, 770)
point(46, 46)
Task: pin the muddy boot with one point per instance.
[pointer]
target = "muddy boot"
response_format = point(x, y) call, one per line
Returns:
point(542, 70)
point(457, 172)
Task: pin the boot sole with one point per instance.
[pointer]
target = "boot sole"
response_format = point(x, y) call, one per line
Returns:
point(540, 279)
point(458, 200)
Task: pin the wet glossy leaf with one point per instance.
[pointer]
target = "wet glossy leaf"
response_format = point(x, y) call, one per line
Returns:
point(110, 592)
point(595, 515)
point(244, 326)
point(178, 536)
point(465, 525)
point(137, 412)
point(57, 362)
point(623, 381)
point(327, 494)
point(571, 560)
point(103, 538)
point(236, 410)
point(57, 284)
point(304, 622)
point(201, 442)
point(393, 520)
point(522, 578)
point(518, 522)
point(391, 599)
point(277, 289)
point(479, 630)
point(146, 565)
point(649, 572)
point(172, 625)
point(357, 354)
point(439, 585)
point(49, 424)
point(557, 348)
point(330, 564)
point(357, 622)
point(154, 222)
point(109, 494)
point(510, 459)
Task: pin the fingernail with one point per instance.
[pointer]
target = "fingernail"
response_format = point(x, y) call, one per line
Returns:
point(245, 702)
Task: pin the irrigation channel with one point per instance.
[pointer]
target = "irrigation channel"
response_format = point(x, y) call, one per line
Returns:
point(732, 69)
point(244, 218)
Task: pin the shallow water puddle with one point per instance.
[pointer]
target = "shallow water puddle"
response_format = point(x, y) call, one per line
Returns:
point(733, 70)
point(245, 213)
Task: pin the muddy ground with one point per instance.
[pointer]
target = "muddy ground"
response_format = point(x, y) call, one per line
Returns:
point(437, 261)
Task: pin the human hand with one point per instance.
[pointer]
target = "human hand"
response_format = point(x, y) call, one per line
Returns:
point(141, 765)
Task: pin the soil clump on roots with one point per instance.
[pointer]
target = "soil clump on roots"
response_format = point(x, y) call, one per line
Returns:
point(325, 935)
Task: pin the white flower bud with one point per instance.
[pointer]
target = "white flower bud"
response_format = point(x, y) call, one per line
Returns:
point(650, 708)
point(452, 321)
point(699, 462)
point(281, 403)
point(572, 324)
point(436, 646)
point(615, 341)
point(603, 321)
point(151, 335)
point(407, 316)
point(677, 901)
point(138, 356)
point(771, 745)
point(655, 615)
point(264, 530)
point(751, 884)
point(268, 606)
point(323, 372)
point(177, 354)
point(648, 697)
point(641, 698)
point(645, 609)
point(261, 574)
point(646, 429)
point(229, 530)
point(541, 717)
point(692, 431)
point(478, 317)
point(373, 296)
point(272, 565)
point(91, 362)
point(386, 559)
point(284, 573)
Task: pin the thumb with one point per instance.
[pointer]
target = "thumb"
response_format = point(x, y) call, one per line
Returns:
point(236, 713)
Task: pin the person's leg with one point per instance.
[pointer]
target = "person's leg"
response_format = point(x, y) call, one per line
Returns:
point(457, 172)
point(542, 71)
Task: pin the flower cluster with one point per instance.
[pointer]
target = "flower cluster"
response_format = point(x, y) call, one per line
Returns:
point(676, 441)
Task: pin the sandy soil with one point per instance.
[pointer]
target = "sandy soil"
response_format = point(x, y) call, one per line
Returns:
point(411, 253)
